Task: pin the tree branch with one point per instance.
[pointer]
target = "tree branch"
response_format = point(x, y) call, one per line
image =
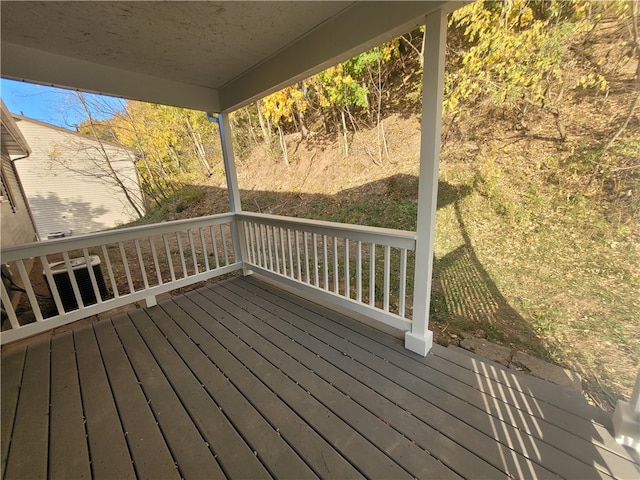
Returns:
point(621, 129)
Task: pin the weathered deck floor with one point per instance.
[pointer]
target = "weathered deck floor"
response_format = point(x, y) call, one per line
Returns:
point(242, 380)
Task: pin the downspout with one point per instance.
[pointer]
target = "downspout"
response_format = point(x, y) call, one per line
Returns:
point(231, 175)
point(24, 195)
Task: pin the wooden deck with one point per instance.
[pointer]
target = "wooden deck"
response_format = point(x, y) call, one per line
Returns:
point(242, 380)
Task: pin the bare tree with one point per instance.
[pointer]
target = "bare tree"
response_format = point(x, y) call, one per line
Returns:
point(100, 165)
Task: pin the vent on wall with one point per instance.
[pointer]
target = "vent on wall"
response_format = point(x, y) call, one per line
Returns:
point(83, 279)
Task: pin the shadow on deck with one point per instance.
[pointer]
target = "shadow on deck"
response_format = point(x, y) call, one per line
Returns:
point(242, 380)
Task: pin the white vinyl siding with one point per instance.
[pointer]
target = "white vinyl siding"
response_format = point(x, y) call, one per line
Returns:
point(67, 183)
point(17, 228)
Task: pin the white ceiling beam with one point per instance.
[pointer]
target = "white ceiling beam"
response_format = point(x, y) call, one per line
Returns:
point(355, 30)
point(24, 63)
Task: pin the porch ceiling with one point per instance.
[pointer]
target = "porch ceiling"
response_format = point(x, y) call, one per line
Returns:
point(215, 56)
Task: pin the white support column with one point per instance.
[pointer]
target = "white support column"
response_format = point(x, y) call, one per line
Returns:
point(239, 245)
point(420, 339)
point(229, 163)
point(626, 419)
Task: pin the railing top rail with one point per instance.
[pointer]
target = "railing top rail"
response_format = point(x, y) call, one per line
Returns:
point(10, 254)
point(386, 236)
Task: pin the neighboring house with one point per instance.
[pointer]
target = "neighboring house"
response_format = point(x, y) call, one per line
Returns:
point(16, 224)
point(74, 183)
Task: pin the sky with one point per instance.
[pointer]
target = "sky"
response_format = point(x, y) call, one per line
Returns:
point(53, 105)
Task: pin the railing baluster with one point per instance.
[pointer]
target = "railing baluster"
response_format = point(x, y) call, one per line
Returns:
point(252, 243)
point(181, 254)
point(223, 239)
point(214, 246)
point(52, 284)
point(299, 268)
point(26, 283)
point(325, 263)
point(336, 280)
point(256, 238)
point(359, 271)
point(276, 247)
point(283, 250)
point(291, 273)
point(387, 271)
point(262, 229)
point(194, 256)
point(306, 256)
point(315, 260)
point(143, 271)
point(347, 273)
point(72, 279)
point(403, 283)
point(167, 250)
point(125, 263)
point(268, 229)
point(372, 274)
point(92, 276)
point(112, 279)
point(156, 264)
point(203, 244)
point(8, 307)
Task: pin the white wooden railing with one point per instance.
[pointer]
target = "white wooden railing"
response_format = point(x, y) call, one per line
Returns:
point(128, 265)
point(361, 268)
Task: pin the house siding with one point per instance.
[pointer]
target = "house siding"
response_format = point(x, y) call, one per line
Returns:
point(16, 225)
point(67, 183)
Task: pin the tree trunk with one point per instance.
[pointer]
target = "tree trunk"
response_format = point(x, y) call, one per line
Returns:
point(283, 146)
point(344, 130)
point(266, 132)
point(635, 13)
point(198, 147)
point(303, 127)
point(176, 158)
point(252, 132)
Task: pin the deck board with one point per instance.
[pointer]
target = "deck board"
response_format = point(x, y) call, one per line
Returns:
point(12, 366)
point(316, 452)
point(408, 455)
point(406, 391)
point(567, 400)
point(275, 453)
point(236, 458)
point(69, 452)
point(150, 454)
point(110, 457)
point(365, 456)
point(240, 379)
point(31, 427)
point(185, 441)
